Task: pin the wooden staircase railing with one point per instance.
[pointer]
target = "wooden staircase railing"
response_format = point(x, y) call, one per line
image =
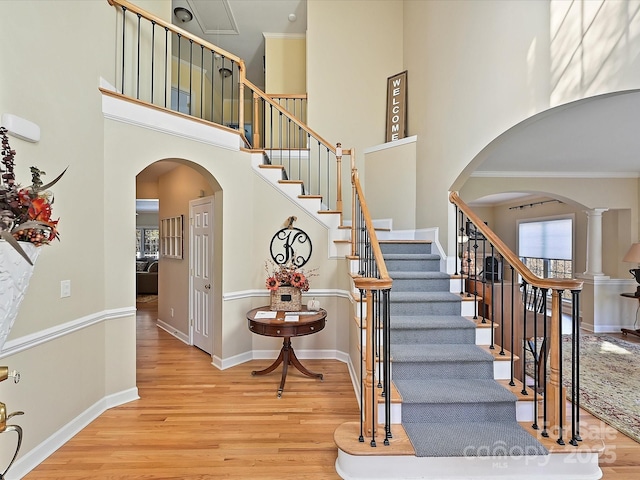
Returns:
point(168, 68)
point(374, 285)
point(529, 292)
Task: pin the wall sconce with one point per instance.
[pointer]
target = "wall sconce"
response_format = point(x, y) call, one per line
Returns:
point(183, 14)
point(225, 72)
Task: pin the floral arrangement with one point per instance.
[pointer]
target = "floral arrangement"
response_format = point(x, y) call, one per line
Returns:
point(287, 275)
point(25, 212)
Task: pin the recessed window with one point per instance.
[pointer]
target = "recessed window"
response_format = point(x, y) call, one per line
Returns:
point(546, 247)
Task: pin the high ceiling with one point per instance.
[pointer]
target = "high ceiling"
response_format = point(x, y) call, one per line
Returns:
point(238, 26)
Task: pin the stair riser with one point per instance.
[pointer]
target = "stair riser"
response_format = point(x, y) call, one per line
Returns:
point(426, 370)
point(423, 285)
point(412, 265)
point(453, 412)
point(424, 308)
point(432, 336)
point(409, 248)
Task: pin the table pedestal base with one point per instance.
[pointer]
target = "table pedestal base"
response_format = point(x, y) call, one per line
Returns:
point(632, 332)
point(287, 357)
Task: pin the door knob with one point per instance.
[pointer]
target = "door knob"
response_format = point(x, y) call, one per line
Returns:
point(208, 287)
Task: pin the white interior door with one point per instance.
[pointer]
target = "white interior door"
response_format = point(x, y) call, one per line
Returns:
point(201, 259)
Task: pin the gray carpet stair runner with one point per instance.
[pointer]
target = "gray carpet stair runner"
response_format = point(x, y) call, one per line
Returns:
point(451, 405)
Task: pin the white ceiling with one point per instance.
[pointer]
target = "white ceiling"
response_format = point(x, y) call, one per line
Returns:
point(238, 26)
point(594, 137)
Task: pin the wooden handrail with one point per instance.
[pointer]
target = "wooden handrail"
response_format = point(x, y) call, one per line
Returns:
point(159, 21)
point(284, 112)
point(384, 280)
point(512, 258)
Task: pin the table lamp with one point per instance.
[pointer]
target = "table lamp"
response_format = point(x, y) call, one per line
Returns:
point(633, 256)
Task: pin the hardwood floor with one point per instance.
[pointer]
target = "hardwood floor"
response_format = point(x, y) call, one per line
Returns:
point(196, 422)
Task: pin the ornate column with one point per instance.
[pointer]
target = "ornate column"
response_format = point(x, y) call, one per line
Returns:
point(594, 242)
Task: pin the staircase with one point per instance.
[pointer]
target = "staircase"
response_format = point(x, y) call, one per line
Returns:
point(452, 418)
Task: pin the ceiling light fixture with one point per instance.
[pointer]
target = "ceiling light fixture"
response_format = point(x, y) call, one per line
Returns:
point(225, 72)
point(183, 14)
point(292, 17)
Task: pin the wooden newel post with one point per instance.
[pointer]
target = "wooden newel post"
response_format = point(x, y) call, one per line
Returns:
point(339, 177)
point(370, 413)
point(556, 394)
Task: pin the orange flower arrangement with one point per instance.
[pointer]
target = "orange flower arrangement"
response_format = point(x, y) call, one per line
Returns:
point(287, 275)
point(25, 213)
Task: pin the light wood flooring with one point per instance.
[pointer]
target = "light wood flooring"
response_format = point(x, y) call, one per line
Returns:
point(196, 422)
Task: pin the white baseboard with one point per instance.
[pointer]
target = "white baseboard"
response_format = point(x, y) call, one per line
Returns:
point(36, 456)
point(183, 337)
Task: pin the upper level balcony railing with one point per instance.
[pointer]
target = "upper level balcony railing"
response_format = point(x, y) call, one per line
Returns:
point(164, 66)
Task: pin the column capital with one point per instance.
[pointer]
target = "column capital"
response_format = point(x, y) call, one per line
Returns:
point(596, 211)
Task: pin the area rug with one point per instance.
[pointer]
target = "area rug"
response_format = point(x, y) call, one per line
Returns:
point(609, 380)
point(146, 298)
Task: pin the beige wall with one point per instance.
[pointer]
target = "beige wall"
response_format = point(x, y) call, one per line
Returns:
point(390, 184)
point(285, 64)
point(65, 376)
point(594, 47)
point(352, 48)
point(478, 68)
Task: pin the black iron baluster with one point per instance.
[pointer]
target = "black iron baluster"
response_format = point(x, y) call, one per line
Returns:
point(138, 60)
point(202, 81)
point(523, 346)
point(493, 274)
point(166, 63)
point(575, 369)
point(373, 363)
point(179, 58)
point(502, 309)
point(124, 28)
point(328, 204)
point(536, 358)
point(222, 91)
point(458, 246)
point(361, 438)
point(233, 88)
point(513, 302)
point(213, 80)
point(387, 365)
point(545, 383)
point(561, 405)
point(190, 77)
point(153, 55)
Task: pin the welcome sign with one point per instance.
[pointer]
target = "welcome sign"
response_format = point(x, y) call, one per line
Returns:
point(396, 107)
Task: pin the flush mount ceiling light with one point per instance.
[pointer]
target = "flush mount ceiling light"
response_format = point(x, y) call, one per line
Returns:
point(225, 72)
point(183, 14)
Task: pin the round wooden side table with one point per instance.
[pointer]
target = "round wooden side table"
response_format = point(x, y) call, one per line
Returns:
point(308, 323)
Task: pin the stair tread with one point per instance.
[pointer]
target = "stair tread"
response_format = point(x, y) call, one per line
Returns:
point(439, 353)
point(411, 256)
point(400, 242)
point(452, 390)
point(424, 297)
point(426, 322)
point(469, 439)
point(417, 275)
